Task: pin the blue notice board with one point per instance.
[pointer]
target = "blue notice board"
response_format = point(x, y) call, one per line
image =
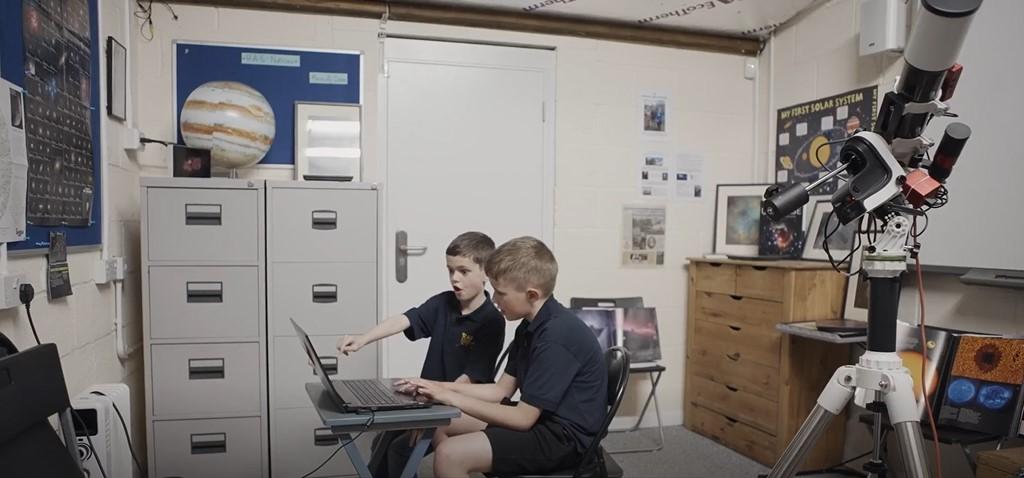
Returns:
point(54, 46)
point(282, 76)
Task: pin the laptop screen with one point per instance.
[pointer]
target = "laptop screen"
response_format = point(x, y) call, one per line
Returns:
point(307, 345)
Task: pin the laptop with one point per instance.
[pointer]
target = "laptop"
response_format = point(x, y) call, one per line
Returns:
point(356, 395)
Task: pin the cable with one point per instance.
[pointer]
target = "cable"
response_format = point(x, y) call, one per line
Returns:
point(127, 434)
point(369, 422)
point(25, 294)
point(924, 354)
point(95, 456)
point(145, 13)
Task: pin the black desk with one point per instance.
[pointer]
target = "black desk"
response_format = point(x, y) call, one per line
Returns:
point(344, 424)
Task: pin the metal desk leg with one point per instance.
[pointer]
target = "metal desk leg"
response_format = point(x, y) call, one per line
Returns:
point(416, 457)
point(354, 456)
point(643, 411)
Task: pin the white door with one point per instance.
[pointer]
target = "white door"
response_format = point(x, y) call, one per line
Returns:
point(469, 146)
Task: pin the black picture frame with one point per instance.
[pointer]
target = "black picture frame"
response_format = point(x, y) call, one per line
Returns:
point(117, 78)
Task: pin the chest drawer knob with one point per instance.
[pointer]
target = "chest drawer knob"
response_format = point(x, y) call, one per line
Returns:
point(735, 356)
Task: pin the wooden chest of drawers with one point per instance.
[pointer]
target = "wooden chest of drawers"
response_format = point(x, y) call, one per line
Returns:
point(748, 386)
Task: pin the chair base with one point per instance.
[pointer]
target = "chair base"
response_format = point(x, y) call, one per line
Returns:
point(650, 370)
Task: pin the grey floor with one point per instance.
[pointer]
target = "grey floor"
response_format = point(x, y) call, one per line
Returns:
point(686, 455)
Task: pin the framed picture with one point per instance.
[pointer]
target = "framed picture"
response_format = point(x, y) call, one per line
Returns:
point(782, 239)
point(824, 225)
point(857, 292)
point(738, 218)
point(116, 78)
point(328, 143)
point(189, 162)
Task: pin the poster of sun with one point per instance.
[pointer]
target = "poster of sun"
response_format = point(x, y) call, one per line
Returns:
point(983, 390)
point(810, 135)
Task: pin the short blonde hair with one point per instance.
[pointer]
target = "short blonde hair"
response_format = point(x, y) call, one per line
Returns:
point(524, 262)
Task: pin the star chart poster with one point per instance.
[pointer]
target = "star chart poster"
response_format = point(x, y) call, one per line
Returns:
point(803, 152)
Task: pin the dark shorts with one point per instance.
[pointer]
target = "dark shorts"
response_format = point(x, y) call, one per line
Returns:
point(546, 447)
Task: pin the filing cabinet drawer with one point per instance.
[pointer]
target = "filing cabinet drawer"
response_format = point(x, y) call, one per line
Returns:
point(203, 225)
point(742, 406)
point(222, 448)
point(292, 370)
point(323, 225)
point(734, 370)
point(751, 343)
point(738, 310)
point(331, 298)
point(713, 277)
point(732, 433)
point(207, 302)
point(301, 442)
point(761, 282)
point(206, 380)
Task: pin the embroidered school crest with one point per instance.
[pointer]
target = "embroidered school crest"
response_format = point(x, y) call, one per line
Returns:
point(466, 340)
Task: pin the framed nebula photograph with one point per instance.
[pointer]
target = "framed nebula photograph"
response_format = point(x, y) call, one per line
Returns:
point(640, 334)
point(824, 224)
point(737, 219)
point(603, 323)
point(782, 239)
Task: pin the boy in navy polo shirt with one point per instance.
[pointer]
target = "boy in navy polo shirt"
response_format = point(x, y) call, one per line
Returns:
point(555, 362)
point(466, 334)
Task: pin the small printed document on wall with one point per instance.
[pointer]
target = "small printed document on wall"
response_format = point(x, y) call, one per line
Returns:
point(13, 163)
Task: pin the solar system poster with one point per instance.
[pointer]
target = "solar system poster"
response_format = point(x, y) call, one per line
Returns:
point(803, 151)
point(983, 391)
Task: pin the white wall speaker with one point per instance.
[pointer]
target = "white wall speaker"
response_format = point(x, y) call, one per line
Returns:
point(883, 26)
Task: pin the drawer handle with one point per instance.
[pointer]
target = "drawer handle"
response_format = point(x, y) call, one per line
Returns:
point(732, 388)
point(731, 420)
point(325, 219)
point(325, 293)
point(208, 443)
point(735, 356)
point(205, 369)
point(735, 328)
point(330, 365)
point(203, 214)
point(759, 268)
point(324, 437)
point(204, 292)
point(736, 297)
point(714, 264)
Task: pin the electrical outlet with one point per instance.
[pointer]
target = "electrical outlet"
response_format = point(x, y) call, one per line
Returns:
point(108, 270)
point(10, 283)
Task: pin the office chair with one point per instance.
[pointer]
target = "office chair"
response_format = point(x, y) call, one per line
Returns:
point(653, 371)
point(31, 390)
point(596, 462)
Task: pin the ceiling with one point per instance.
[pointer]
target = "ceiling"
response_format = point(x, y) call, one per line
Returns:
point(749, 18)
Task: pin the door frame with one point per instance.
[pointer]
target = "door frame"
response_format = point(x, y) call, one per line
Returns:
point(548, 70)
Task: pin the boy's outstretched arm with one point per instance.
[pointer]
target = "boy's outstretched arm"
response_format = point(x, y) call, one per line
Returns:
point(520, 417)
point(392, 326)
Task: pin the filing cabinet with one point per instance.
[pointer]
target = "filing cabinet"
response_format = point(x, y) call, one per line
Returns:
point(749, 386)
point(227, 263)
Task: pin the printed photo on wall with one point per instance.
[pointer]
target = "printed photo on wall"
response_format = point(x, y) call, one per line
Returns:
point(640, 334)
point(654, 114)
point(737, 218)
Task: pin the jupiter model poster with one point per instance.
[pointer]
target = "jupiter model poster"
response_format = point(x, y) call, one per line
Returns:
point(810, 135)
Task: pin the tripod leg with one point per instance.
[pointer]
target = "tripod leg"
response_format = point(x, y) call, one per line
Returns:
point(905, 419)
point(831, 402)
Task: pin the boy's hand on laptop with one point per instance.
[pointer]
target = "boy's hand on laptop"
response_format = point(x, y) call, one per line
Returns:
point(349, 343)
point(428, 389)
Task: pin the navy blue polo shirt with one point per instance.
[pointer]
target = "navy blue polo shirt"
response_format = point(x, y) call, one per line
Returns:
point(459, 344)
point(560, 368)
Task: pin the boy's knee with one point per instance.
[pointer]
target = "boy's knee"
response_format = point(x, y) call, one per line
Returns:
point(445, 452)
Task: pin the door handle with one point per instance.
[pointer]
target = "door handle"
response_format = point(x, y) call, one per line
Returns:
point(413, 250)
point(402, 252)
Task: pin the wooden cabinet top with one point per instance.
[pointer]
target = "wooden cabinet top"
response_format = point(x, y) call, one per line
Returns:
point(777, 264)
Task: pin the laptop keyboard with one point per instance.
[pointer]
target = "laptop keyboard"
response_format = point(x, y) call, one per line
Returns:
point(372, 392)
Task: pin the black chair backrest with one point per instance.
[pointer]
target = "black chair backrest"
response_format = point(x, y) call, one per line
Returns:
point(623, 302)
point(617, 359)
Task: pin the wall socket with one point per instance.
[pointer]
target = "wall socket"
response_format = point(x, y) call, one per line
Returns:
point(11, 282)
point(108, 270)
